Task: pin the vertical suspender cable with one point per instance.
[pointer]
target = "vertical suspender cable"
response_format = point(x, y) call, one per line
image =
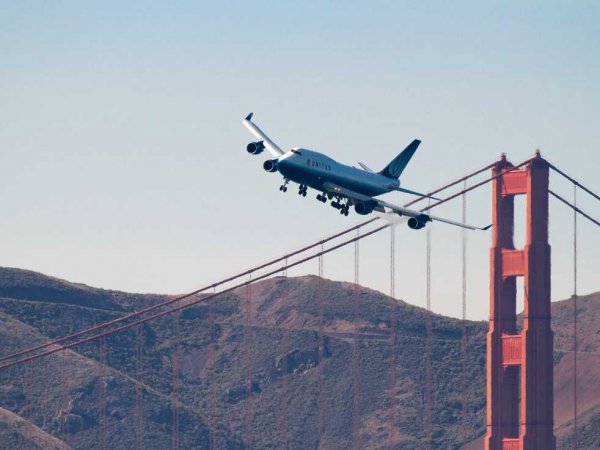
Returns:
point(27, 390)
point(321, 406)
point(427, 401)
point(64, 415)
point(356, 422)
point(392, 342)
point(212, 383)
point(139, 413)
point(464, 319)
point(248, 403)
point(102, 391)
point(284, 364)
point(575, 346)
point(175, 394)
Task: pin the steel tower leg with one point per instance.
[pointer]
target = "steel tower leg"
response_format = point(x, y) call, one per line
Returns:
point(519, 365)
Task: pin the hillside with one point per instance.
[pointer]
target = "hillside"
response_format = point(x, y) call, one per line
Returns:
point(60, 394)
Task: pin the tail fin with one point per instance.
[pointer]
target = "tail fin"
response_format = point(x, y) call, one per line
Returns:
point(395, 168)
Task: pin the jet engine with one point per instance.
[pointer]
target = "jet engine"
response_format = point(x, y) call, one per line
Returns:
point(364, 208)
point(270, 165)
point(418, 222)
point(255, 148)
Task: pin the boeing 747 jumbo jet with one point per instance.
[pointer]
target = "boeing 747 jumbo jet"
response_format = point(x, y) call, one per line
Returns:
point(343, 185)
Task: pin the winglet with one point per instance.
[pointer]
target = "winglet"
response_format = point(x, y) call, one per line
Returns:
point(249, 116)
point(487, 228)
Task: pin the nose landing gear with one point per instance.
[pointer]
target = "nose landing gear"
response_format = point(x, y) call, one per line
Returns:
point(283, 187)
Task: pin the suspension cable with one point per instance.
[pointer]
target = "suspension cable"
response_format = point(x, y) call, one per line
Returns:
point(392, 341)
point(453, 183)
point(356, 358)
point(211, 363)
point(573, 207)
point(213, 285)
point(58, 348)
point(139, 414)
point(248, 413)
point(477, 185)
point(188, 295)
point(464, 318)
point(234, 277)
point(574, 181)
point(284, 363)
point(321, 355)
point(175, 395)
point(427, 423)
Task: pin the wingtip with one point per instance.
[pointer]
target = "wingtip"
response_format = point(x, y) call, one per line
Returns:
point(487, 228)
point(249, 116)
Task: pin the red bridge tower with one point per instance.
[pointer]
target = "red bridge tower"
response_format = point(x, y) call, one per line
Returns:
point(519, 365)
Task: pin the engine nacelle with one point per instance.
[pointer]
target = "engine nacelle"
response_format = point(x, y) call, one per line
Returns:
point(418, 222)
point(270, 165)
point(255, 148)
point(364, 208)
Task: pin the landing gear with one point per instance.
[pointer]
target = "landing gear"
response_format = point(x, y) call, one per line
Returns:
point(321, 198)
point(344, 208)
point(283, 187)
point(302, 190)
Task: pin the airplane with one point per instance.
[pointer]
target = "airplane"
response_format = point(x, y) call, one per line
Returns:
point(343, 185)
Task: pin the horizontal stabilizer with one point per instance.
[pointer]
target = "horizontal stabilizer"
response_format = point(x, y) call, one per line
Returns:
point(365, 167)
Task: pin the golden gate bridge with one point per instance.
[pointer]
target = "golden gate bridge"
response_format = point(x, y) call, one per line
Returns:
point(519, 363)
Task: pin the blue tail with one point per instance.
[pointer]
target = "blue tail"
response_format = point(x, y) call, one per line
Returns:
point(395, 168)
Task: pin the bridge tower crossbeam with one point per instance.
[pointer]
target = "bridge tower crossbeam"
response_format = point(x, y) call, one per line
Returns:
point(519, 364)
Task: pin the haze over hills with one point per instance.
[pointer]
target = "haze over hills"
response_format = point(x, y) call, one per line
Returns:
point(53, 403)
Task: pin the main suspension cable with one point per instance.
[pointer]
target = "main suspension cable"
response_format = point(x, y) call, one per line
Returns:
point(59, 348)
point(574, 181)
point(185, 296)
point(171, 301)
point(573, 207)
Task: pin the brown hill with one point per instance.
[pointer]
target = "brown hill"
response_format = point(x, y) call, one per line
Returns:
point(281, 340)
point(20, 433)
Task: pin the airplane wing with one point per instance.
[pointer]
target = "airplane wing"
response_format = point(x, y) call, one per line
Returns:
point(258, 133)
point(400, 210)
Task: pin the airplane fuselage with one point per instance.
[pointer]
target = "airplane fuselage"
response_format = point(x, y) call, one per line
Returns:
point(313, 169)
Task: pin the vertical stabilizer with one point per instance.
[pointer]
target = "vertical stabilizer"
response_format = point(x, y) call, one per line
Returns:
point(395, 168)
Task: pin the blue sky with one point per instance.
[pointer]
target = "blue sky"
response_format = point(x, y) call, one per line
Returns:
point(124, 162)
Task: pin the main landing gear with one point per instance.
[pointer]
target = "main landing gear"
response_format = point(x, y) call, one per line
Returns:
point(302, 190)
point(344, 208)
point(322, 198)
point(283, 187)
